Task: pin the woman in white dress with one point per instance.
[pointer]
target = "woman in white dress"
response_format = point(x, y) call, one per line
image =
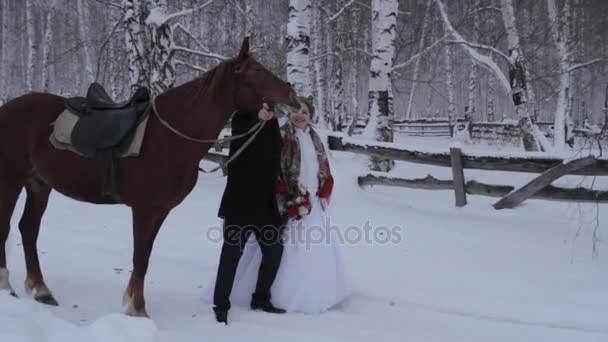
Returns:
point(311, 278)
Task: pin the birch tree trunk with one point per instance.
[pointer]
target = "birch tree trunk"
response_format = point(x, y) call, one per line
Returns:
point(521, 88)
point(380, 94)
point(135, 36)
point(4, 62)
point(560, 32)
point(83, 30)
point(470, 108)
point(247, 6)
point(338, 93)
point(30, 21)
point(319, 48)
point(425, 22)
point(46, 48)
point(162, 63)
point(298, 46)
point(449, 82)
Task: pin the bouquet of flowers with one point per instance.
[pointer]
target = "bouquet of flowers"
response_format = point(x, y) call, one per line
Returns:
point(299, 204)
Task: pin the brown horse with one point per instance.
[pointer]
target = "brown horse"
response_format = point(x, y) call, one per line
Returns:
point(152, 184)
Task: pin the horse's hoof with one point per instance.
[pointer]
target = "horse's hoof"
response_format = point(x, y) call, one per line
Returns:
point(137, 313)
point(47, 299)
point(14, 294)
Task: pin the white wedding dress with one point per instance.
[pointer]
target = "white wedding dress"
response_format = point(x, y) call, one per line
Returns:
point(312, 277)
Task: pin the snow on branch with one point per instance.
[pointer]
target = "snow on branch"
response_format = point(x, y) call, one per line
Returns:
point(491, 8)
point(200, 53)
point(158, 18)
point(483, 47)
point(191, 66)
point(364, 5)
point(483, 60)
point(337, 14)
point(583, 65)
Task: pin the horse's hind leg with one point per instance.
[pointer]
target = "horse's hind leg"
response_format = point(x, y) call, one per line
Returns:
point(35, 205)
point(9, 193)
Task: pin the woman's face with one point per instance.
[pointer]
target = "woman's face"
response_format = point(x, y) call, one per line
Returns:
point(300, 118)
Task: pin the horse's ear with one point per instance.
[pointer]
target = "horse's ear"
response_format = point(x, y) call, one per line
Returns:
point(244, 49)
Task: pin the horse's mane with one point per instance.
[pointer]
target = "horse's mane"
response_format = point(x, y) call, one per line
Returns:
point(202, 84)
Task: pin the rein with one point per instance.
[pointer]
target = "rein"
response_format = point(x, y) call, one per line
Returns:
point(255, 129)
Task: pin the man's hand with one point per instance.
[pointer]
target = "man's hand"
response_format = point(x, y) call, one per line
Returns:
point(265, 113)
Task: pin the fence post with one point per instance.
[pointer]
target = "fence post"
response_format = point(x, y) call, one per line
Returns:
point(458, 176)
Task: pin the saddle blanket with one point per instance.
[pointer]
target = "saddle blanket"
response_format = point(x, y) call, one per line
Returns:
point(61, 137)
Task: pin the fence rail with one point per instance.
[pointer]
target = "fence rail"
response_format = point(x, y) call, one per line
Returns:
point(532, 164)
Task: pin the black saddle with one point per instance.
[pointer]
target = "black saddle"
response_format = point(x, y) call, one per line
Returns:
point(104, 123)
point(105, 126)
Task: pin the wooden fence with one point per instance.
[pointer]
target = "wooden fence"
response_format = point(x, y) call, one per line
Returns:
point(459, 161)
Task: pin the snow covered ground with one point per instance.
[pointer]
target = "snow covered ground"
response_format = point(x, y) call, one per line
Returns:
point(448, 274)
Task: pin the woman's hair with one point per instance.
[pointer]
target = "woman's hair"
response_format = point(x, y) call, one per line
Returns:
point(307, 101)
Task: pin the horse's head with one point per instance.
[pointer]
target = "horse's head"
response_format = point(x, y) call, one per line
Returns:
point(254, 84)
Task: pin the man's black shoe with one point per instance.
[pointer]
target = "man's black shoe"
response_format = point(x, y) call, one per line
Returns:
point(221, 315)
point(266, 306)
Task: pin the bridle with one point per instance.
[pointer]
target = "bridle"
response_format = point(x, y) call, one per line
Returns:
point(254, 130)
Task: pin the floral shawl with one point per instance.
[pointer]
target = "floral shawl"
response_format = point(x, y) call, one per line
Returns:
point(293, 199)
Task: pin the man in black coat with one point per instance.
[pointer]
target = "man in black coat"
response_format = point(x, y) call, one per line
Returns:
point(249, 206)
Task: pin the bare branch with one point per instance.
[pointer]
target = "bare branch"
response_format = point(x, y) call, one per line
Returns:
point(323, 56)
point(200, 53)
point(191, 35)
point(335, 16)
point(106, 41)
point(483, 47)
point(360, 50)
point(419, 54)
point(113, 4)
point(583, 65)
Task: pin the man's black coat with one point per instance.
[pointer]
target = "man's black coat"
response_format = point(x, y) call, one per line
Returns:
point(250, 193)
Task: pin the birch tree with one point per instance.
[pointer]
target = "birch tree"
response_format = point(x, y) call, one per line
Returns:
point(560, 32)
point(517, 88)
point(47, 45)
point(162, 63)
point(135, 36)
point(6, 55)
point(83, 29)
point(30, 21)
point(320, 47)
point(449, 82)
point(380, 94)
point(421, 43)
point(521, 86)
point(298, 46)
point(473, 78)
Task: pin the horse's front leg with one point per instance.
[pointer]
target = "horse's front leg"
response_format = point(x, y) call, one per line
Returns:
point(146, 224)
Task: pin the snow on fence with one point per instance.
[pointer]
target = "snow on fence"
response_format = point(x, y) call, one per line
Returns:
point(550, 167)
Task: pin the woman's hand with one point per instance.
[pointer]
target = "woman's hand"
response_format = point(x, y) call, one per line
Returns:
point(265, 113)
